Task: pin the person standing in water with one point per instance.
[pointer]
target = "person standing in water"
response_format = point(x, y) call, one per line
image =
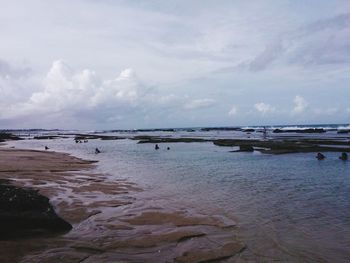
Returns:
point(343, 156)
point(320, 156)
point(264, 133)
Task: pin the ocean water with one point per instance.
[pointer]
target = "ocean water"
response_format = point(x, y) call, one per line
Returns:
point(289, 208)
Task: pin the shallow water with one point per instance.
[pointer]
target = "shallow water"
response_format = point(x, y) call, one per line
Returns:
point(288, 207)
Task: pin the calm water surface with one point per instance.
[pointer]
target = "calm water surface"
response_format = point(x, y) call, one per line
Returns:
point(289, 208)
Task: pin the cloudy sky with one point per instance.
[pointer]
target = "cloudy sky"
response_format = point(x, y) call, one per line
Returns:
point(88, 64)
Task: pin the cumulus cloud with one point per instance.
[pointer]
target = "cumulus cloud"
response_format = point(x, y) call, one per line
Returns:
point(67, 89)
point(189, 48)
point(264, 108)
point(233, 111)
point(64, 90)
point(16, 84)
point(300, 104)
point(68, 94)
point(199, 103)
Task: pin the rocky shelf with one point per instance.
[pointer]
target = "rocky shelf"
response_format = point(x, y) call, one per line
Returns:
point(25, 213)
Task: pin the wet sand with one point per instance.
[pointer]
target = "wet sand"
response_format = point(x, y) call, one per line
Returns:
point(109, 223)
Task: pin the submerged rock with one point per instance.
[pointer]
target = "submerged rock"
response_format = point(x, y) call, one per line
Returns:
point(25, 212)
point(246, 148)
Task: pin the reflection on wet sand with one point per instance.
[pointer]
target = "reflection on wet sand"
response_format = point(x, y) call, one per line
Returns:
point(109, 223)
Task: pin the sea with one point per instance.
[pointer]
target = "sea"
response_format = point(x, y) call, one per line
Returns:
point(288, 207)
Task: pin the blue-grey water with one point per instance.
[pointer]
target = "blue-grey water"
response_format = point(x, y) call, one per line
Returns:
point(289, 208)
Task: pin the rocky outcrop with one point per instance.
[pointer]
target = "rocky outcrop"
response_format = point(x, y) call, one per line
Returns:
point(79, 137)
point(221, 129)
point(343, 131)
point(309, 130)
point(287, 146)
point(168, 140)
point(49, 137)
point(246, 148)
point(25, 212)
point(5, 136)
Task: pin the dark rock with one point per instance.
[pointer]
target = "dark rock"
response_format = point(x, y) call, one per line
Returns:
point(155, 130)
point(25, 212)
point(84, 137)
point(246, 148)
point(284, 146)
point(5, 136)
point(49, 137)
point(221, 129)
point(343, 131)
point(309, 130)
point(165, 139)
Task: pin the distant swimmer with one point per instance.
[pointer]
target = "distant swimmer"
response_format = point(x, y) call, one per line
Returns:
point(156, 147)
point(168, 148)
point(264, 132)
point(343, 156)
point(97, 151)
point(320, 156)
point(46, 148)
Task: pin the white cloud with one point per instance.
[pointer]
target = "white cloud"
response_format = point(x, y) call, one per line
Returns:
point(66, 90)
point(264, 108)
point(68, 94)
point(199, 103)
point(233, 111)
point(188, 47)
point(300, 104)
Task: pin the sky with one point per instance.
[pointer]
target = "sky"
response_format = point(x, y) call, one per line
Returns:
point(119, 64)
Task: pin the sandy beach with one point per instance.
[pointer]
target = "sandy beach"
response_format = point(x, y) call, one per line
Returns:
point(109, 224)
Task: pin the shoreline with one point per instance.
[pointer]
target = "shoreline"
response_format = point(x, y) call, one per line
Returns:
point(108, 223)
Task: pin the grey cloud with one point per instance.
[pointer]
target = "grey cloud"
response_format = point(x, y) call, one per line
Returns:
point(8, 70)
point(67, 94)
point(178, 48)
point(264, 59)
point(323, 42)
point(336, 22)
